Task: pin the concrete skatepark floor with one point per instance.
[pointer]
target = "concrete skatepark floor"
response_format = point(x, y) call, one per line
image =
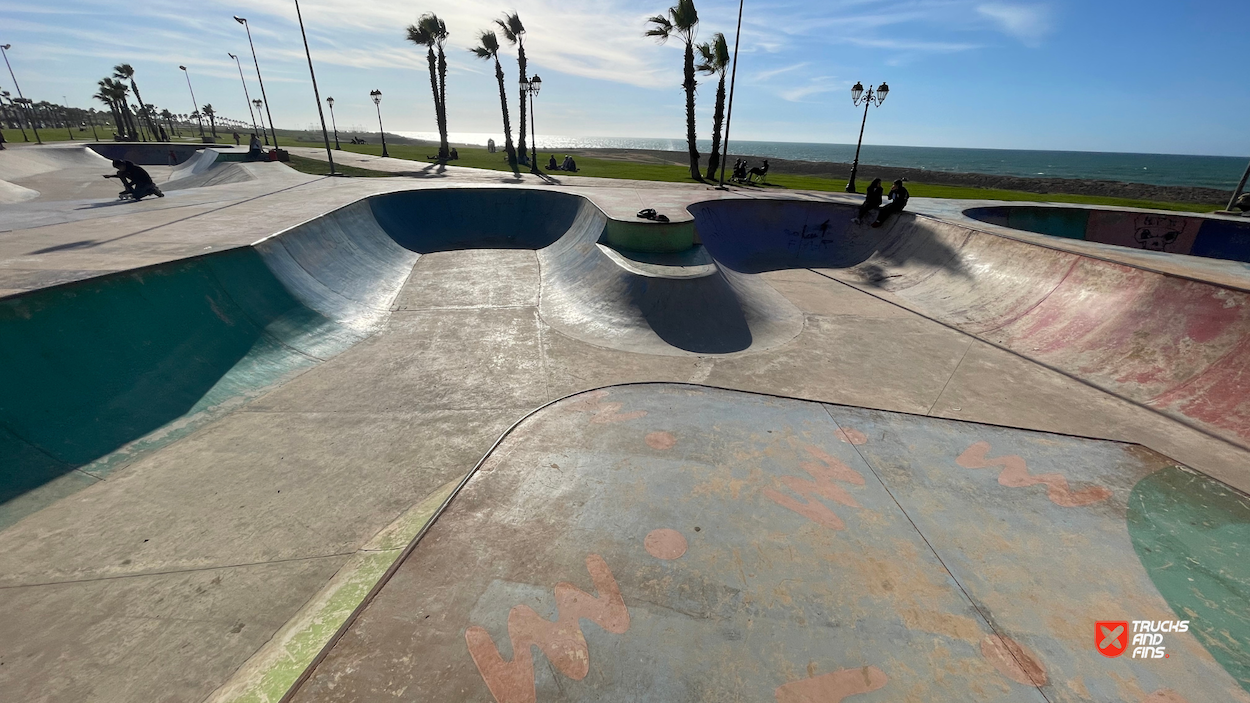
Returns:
point(323, 391)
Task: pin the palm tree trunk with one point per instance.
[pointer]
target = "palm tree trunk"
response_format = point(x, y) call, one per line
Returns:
point(507, 123)
point(524, 96)
point(718, 118)
point(438, 101)
point(689, 84)
point(144, 107)
point(443, 149)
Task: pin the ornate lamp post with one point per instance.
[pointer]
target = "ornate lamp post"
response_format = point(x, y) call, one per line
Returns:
point(330, 102)
point(535, 84)
point(869, 98)
point(377, 101)
point(243, 21)
point(4, 49)
point(194, 104)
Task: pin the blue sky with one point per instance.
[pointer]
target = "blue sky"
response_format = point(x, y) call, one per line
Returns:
point(1098, 75)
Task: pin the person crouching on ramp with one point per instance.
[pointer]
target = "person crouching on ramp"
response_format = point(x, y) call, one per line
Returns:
point(898, 200)
point(137, 182)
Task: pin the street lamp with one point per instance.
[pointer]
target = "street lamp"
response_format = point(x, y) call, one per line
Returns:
point(733, 77)
point(4, 49)
point(16, 109)
point(245, 93)
point(330, 102)
point(243, 21)
point(194, 104)
point(316, 93)
point(535, 84)
point(377, 101)
point(869, 98)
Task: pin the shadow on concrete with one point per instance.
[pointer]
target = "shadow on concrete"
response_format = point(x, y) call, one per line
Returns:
point(84, 244)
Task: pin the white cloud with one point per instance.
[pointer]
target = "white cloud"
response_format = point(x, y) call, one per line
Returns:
point(1028, 23)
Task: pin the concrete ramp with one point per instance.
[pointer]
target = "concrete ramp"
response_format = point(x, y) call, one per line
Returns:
point(17, 163)
point(674, 543)
point(205, 169)
point(1171, 232)
point(98, 372)
point(1175, 344)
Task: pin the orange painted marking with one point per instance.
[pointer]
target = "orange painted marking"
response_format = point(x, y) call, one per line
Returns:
point(604, 413)
point(1015, 474)
point(832, 687)
point(661, 440)
point(851, 436)
point(825, 472)
point(665, 544)
point(1165, 695)
point(1013, 660)
point(562, 641)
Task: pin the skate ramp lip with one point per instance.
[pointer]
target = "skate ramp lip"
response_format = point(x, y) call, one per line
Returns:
point(1156, 231)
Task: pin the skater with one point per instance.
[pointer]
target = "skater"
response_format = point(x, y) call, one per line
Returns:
point(236, 138)
point(872, 201)
point(138, 184)
point(898, 200)
point(254, 151)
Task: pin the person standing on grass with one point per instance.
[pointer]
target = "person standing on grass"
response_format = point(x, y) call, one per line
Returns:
point(872, 200)
point(898, 201)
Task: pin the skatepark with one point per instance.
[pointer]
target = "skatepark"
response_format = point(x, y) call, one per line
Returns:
point(464, 435)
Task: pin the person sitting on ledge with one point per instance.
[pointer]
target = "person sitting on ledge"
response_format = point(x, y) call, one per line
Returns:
point(254, 151)
point(898, 200)
point(552, 165)
point(872, 200)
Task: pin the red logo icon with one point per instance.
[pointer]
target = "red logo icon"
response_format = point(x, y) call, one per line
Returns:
point(1111, 637)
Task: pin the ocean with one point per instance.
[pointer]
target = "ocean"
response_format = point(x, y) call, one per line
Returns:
point(1220, 172)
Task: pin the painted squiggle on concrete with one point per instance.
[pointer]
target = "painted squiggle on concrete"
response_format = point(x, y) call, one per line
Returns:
point(832, 687)
point(604, 413)
point(562, 641)
point(1015, 474)
point(825, 471)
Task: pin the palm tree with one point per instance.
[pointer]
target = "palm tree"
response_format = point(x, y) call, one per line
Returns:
point(169, 120)
point(489, 49)
point(115, 94)
point(124, 72)
point(211, 114)
point(431, 32)
point(713, 61)
point(682, 20)
point(514, 32)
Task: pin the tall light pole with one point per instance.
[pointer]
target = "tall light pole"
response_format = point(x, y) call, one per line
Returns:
point(733, 76)
point(316, 93)
point(91, 118)
point(243, 21)
point(869, 98)
point(18, 111)
point(377, 101)
point(245, 93)
point(65, 111)
point(532, 88)
point(330, 102)
point(263, 133)
point(194, 104)
point(4, 49)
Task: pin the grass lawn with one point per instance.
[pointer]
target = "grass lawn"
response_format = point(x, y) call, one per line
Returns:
point(612, 168)
point(322, 168)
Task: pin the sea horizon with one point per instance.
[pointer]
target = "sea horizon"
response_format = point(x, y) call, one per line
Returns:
point(1196, 170)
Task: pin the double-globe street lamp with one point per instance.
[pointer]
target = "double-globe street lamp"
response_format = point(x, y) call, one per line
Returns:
point(532, 87)
point(868, 98)
point(194, 104)
point(377, 102)
point(330, 102)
